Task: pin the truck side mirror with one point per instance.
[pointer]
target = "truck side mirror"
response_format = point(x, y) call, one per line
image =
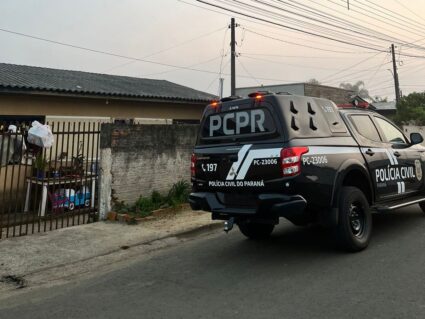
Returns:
point(416, 138)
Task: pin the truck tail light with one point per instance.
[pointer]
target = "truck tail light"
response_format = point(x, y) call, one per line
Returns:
point(291, 160)
point(193, 165)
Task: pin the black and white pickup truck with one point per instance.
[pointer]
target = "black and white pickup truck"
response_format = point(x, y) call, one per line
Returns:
point(304, 159)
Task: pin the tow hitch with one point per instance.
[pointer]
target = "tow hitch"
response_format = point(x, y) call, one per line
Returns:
point(228, 224)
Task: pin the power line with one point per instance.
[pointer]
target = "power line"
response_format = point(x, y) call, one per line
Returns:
point(379, 12)
point(294, 65)
point(247, 72)
point(321, 21)
point(349, 76)
point(411, 11)
point(168, 49)
point(296, 22)
point(297, 44)
point(349, 67)
point(359, 19)
point(329, 16)
point(379, 67)
point(333, 18)
point(300, 38)
point(397, 15)
point(291, 28)
point(254, 19)
point(189, 66)
point(375, 18)
point(121, 55)
point(297, 56)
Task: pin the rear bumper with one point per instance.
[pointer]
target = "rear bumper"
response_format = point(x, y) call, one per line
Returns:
point(268, 206)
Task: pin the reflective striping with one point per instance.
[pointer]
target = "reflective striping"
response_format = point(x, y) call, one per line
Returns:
point(401, 187)
point(235, 166)
point(256, 154)
point(331, 150)
point(394, 158)
point(390, 157)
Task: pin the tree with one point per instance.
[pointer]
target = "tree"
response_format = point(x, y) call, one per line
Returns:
point(411, 109)
point(358, 88)
point(313, 81)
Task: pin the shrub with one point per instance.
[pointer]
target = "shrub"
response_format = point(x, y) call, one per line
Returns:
point(179, 193)
point(122, 208)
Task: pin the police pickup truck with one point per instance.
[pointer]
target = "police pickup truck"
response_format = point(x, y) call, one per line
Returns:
point(304, 159)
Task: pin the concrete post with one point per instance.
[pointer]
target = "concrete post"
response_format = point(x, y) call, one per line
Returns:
point(105, 183)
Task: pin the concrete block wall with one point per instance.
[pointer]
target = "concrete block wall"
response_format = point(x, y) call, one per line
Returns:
point(137, 159)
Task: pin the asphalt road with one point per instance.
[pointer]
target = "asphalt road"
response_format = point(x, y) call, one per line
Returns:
point(295, 274)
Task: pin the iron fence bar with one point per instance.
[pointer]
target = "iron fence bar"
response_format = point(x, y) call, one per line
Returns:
point(67, 163)
point(86, 172)
point(97, 170)
point(1, 206)
point(20, 148)
point(57, 169)
point(5, 184)
point(40, 211)
point(93, 170)
point(27, 214)
point(80, 173)
point(49, 178)
point(70, 183)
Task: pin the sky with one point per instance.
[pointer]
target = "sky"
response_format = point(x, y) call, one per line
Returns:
point(193, 35)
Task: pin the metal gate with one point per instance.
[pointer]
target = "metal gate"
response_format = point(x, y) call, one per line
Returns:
point(44, 189)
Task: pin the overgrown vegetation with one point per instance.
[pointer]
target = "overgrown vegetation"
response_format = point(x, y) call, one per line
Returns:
point(144, 206)
point(411, 109)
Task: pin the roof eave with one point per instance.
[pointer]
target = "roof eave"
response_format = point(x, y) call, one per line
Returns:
point(65, 93)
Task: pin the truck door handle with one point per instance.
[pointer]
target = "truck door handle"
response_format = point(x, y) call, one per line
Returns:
point(397, 154)
point(370, 152)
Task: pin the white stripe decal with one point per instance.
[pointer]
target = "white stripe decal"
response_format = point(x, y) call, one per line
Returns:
point(390, 157)
point(319, 150)
point(235, 166)
point(401, 187)
point(394, 158)
point(254, 154)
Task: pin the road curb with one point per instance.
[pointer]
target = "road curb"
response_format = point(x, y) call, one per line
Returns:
point(184, 234)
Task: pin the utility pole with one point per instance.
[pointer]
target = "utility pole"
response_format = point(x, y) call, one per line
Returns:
point(395, 75)
point(232, 58)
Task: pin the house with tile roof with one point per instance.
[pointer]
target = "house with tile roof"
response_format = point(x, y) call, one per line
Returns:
point(28, 92)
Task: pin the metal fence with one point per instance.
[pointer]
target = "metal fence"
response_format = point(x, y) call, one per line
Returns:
point(43, 189)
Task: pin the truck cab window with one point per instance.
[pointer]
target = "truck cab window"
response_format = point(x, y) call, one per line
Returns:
point(365, 127)
point(391, 133)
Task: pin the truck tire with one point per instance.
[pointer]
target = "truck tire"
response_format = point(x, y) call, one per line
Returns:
point(354, 227)
point(256, 230)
